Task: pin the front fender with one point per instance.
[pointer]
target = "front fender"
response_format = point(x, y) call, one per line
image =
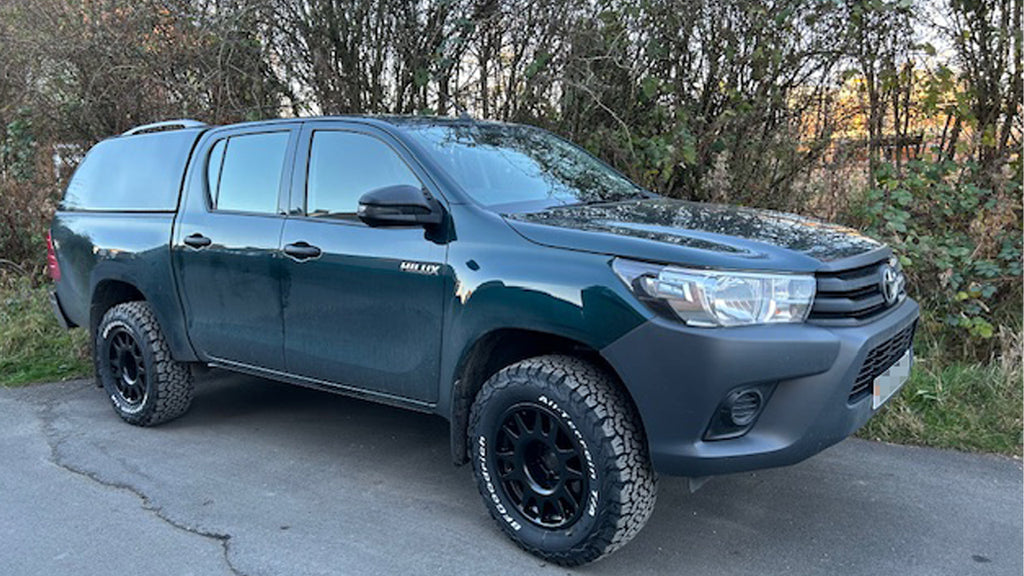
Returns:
point(521, 286)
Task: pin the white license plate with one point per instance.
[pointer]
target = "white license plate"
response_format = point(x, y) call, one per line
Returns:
point(888, 382)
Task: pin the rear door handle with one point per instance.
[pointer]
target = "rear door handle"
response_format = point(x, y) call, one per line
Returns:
point(301, 251)
point(197, 241)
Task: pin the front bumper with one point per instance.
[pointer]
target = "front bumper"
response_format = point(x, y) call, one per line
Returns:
point(677, 377)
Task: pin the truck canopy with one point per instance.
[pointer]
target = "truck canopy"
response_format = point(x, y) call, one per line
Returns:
point(137, 173)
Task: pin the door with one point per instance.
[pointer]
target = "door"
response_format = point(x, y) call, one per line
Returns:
point(357, 311)
point(226, 245)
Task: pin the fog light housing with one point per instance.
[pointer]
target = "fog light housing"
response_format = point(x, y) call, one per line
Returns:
point(738, 411)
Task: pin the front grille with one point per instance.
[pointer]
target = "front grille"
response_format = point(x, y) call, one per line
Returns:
point(879, 359)
point(854, 294)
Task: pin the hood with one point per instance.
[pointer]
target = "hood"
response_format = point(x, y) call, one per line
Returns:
point(698, 234)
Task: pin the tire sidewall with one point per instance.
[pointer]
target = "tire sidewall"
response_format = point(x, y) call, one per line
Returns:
point(483, 436)
point(117, 318)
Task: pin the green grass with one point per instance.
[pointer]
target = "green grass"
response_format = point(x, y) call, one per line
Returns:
point(33, 347)
point(970, 407)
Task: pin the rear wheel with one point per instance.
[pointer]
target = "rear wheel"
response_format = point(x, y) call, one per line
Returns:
point(134, 365)
point(560, 459)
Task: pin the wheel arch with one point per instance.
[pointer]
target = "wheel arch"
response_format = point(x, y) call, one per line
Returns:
point(110, 291)
point(497, 349)
point(107, 294)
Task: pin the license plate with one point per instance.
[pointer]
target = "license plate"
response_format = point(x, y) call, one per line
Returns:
point(888, 382)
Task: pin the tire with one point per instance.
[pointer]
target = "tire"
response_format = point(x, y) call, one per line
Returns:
point(134, 365)
point(551, 432)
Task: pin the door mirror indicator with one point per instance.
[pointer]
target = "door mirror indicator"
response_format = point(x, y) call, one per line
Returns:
point(401, 205)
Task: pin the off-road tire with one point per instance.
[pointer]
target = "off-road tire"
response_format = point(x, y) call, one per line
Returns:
point(585, 399)
point(168, 384)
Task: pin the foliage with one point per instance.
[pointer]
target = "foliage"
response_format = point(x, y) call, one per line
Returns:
point(25, 211)
point(33, 348)
point(18, 148)
point(960, 244)
point(987, 37)
point(87, 70)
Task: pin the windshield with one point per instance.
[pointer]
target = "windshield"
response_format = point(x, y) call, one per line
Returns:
point(521, 169)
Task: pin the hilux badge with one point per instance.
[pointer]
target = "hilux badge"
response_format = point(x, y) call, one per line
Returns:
point(420, 268)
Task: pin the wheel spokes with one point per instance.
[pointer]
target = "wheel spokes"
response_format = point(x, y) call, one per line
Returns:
point(127, 367)
point(540, 466)
point(521, 424)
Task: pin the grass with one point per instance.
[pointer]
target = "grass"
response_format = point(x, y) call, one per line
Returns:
point(971, 407)
point(33, 347)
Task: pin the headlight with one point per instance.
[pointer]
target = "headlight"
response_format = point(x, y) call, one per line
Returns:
point(715, 298)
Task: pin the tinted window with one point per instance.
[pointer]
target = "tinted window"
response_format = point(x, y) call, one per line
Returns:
point(344, 165)
point(141, 172)
point(519, 168)
point(251, 174)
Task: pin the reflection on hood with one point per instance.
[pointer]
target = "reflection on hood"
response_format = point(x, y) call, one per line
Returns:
point(711, 227)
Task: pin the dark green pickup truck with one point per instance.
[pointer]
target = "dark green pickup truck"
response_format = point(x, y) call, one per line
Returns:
point(580, 333)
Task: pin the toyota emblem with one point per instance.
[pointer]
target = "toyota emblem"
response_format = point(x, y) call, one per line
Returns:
point(892, 283)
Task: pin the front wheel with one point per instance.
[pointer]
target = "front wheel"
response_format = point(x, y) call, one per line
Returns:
point(134, 364)
point(560, 459)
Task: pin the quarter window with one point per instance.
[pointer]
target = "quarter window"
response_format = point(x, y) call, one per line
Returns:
point(345, 165)
point(213, 167)
point(250, 174)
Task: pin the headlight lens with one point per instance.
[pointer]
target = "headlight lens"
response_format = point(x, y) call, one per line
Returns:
point(717, 298)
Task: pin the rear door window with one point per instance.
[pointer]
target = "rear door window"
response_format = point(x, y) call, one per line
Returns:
point(249, 177)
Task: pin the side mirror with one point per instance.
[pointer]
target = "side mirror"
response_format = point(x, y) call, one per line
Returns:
point(401, 205)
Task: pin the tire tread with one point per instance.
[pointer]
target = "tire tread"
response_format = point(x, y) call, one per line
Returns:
point(631, 490)
point(172, 385)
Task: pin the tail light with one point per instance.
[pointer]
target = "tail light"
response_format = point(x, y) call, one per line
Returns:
point(52, 266)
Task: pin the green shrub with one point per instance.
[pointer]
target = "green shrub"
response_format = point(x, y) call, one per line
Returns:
point(33, 347)
point(960, 244)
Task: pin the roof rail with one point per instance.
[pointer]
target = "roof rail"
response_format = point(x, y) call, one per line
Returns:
point(182, 123)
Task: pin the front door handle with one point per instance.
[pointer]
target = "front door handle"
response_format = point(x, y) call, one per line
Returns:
point(197, 241)
point(301, 251)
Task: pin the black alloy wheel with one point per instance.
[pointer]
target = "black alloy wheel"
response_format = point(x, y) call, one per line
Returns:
point(560, 458)
point(541, 466)
point(135, 367)
point(127, 367)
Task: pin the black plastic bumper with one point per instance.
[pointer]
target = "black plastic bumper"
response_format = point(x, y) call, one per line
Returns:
point(58, 311)
point(678, 376)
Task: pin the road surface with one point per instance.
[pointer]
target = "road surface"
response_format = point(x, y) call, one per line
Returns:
point(262, 478)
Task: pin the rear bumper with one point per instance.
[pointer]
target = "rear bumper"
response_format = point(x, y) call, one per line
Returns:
point(58, 311)
point(678, 376)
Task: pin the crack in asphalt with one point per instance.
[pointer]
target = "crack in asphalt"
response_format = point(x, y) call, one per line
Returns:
point(54, 438)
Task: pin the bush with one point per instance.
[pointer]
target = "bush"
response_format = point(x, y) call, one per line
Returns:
point(33, 347)
point(25, 211)
point(960, 244)
point(28, 194)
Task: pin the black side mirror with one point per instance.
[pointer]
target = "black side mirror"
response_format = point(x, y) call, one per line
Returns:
point(401, 205)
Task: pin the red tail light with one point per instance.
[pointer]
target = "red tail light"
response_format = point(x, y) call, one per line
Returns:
point(51, 259)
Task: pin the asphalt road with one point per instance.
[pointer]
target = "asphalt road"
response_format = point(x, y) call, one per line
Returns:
point(264, 478)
